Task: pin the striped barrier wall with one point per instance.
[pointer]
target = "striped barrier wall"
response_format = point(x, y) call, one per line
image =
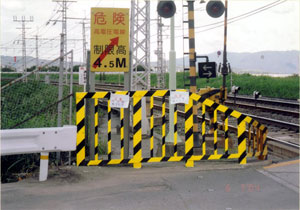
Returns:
point(249, 144)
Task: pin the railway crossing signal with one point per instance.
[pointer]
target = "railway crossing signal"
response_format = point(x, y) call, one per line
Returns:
point(215, 8)
point(166, 9)
point(207, 70)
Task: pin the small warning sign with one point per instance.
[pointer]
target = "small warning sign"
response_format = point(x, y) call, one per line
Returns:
point(110, 39)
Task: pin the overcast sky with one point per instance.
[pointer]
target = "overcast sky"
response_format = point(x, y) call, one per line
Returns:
point(276, 28)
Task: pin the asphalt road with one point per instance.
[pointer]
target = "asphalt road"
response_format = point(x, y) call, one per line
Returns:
point(156, 186)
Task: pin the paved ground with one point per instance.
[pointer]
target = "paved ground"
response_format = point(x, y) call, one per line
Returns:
point(209, 185)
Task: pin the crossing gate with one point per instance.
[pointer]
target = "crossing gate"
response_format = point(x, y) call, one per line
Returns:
point(251, 143)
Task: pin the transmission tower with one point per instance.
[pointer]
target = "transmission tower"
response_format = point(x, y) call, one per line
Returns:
point(159, 52)
point(23, 20)
point(140, 44)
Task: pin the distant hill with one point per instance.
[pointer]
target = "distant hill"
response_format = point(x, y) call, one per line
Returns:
point(265, 62)
point(9, 61)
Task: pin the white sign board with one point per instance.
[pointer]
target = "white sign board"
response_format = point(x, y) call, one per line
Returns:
point(179, 97)
point(82, 75)
point(119, 101)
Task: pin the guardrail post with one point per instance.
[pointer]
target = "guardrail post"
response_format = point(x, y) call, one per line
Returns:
point(44, 160)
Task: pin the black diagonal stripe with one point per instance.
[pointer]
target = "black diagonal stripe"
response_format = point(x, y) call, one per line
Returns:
point(109, 136)
point(244, 154)
point(165, 159)
point(226, 134)
point(163, 119)
point(108, 115)
point(265, 130)
point(188, 134)
point(205, 157)
point(125, 161)
point(201, 99)
point(151, 112)
point(203, 118)
point(96, 129)
point(145, 160)
point(137, 106)
point(228, 112)
point(188, 113)
point(175, 128)
point(225, 156)
point(215, 126)
point(241, 118)
point(189, 153)
point(149, 93)
point(258, 125)
point(251, 122)
point(89, 95)
point(109, 156)
point(80, 125)
point(122, 143)
point(83, 163)
point(163, 140)
point(151, 132)
point(80, 146)
point(175, 148)
point(215, 146)
point(264, 145)
point(241, 138)
point(137, 127)
point(122, 123)
point(80, 104)
point(103, 163)
point(215, 106)
point(137, 148)
point(203, 138)
point(151, 152)
point(96, 150)
point(96, 108)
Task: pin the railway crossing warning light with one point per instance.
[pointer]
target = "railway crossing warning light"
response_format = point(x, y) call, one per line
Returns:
point(166, 9)
point(215, 8)
point(256, 95)
point(235, 89)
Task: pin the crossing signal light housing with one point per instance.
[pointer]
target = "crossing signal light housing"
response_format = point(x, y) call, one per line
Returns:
point(215, 8)
point(166, 9)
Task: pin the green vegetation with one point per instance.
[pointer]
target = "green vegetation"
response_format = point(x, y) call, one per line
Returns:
point(273, 87)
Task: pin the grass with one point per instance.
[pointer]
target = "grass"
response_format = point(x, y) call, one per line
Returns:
point(273, 87)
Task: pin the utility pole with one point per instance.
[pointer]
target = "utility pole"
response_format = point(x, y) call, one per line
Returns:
point(224, 67)
point(60, 88)
point(37, 56)
point(23, 20)
point(64, 7)
point(159, 52)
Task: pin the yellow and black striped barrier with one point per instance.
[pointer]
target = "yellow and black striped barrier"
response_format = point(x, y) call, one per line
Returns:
point(251, 144)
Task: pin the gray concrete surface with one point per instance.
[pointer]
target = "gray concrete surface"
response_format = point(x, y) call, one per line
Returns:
point(209, 185)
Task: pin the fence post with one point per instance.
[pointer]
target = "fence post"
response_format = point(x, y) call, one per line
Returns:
point(189, 136)
point(137, 132)
point(242, 145)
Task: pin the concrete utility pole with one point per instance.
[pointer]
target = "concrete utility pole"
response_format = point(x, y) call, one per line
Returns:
point(60, 87)
point(64, 6)
point(159, 52)
point(23, 20)
point(37, 56)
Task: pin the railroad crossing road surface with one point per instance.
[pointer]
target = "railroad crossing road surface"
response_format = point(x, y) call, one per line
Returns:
point(209, 185)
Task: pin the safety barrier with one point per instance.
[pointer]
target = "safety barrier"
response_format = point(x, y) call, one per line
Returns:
point(250, 144)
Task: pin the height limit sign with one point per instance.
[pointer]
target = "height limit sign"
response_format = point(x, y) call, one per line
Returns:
point(109, 40)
